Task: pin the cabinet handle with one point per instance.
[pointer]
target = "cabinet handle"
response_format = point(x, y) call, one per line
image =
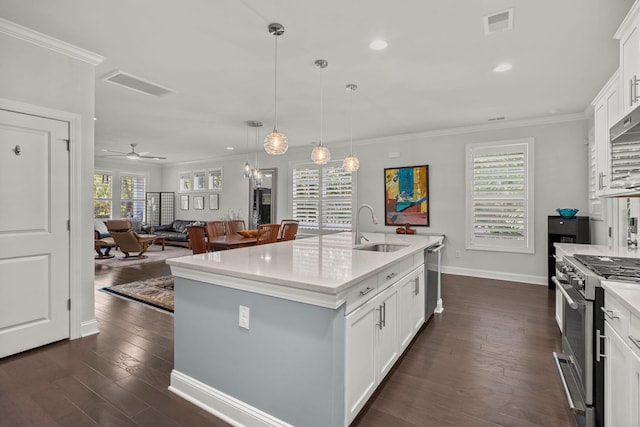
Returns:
point(384, 314)
point(635, 341)
point(365, 291)
point(379, 324)
point(391, 276)
point(609, 313)
point(630, 93)
point(599, 337)
point(635, 90)
point(416, 290)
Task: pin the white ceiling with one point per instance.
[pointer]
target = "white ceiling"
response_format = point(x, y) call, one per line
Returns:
point(219, 58)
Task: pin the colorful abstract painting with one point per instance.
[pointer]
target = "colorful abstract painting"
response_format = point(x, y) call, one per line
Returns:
point(407, 195)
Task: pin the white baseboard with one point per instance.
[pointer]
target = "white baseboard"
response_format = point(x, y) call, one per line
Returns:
point(488, 274)
point(223, 406)
point(90, 327)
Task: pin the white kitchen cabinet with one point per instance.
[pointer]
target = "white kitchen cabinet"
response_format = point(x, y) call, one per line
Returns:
point(617, 384)
point(628, 34)
point(606, 114)
point(635, 390)
point(412, 295)
point(377, 332)
point(387, 333)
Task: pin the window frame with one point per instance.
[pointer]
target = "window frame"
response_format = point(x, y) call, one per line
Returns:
point(110, 199)
point(142, 200)
point(321, 226)
point(486, 242)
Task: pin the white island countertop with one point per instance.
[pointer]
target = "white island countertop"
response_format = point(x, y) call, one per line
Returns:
point(627, 293)
point(598, 250)
point(325, 264)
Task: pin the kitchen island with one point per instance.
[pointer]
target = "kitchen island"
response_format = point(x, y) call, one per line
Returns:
point(295, 333)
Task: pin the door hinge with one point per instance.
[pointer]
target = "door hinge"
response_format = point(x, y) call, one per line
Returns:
point(609, 231)
point(68, 225)
point(69, 304)
point(68, 144)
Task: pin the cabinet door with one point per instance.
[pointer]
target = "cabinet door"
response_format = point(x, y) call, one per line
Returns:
point(417, 302)
point(635, 390)
point(361, 336)
point(617, 367)
point(388, 342)
point(630, 67)
point(405, 298)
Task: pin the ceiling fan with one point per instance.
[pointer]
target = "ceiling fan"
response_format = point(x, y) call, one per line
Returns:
point(132, 155)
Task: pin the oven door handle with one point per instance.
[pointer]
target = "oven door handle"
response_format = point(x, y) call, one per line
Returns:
point(563, 291)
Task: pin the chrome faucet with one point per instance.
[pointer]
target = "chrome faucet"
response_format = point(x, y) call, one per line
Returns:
point(357, 236)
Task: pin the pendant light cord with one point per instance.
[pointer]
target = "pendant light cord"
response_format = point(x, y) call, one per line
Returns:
point(275, 85)
point(351, 122)
point(321, 103)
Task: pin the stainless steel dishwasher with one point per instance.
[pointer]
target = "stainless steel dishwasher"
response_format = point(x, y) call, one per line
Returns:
point(432, 263)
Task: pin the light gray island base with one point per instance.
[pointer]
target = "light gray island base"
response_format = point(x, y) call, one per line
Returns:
point(326, 323)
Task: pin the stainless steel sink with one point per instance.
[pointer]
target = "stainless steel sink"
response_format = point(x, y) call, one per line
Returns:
point(382, 247)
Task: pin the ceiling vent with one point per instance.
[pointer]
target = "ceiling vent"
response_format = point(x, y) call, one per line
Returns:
point(138, 84)
point(498, 22)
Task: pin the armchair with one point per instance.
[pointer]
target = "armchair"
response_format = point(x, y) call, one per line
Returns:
point(127, 239)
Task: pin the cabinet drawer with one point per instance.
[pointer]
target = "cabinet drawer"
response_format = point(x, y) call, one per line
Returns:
point(562, 226)
point(392, 274)
point(616, 315)
point(361, 293)
point(634, 334)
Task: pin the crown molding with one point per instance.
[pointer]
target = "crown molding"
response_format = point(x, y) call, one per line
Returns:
point(23, 33)
point(487, 127)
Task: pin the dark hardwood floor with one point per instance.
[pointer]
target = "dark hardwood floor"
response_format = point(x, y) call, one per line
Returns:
point(486, 361)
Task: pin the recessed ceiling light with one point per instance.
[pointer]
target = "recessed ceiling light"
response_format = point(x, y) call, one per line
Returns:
point(230, 148)
point(378, 44)
point(502, 68)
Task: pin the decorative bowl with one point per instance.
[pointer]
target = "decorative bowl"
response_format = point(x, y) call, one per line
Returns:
point(567, 212)
point(248, 233)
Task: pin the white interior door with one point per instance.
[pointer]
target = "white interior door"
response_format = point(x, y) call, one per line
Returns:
point(34, 238)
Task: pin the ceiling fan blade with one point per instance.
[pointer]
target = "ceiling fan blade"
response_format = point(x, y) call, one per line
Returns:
point(153, 157)
point(117, 152)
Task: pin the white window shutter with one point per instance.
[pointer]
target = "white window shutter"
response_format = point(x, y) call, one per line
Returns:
point(500, 196)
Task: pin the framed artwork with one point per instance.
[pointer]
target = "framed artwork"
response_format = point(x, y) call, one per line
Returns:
point(213, 201)
point(406, 195)
point(198, 202)
point(184, 203)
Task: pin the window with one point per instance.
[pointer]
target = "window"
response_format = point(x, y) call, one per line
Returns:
point(500, 196)
point(132, 197)
point(185, 182)
point(199, 180)
point(322, 197)
point(215, 179)
point(102, 195)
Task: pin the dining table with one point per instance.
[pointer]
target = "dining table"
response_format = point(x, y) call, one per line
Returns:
point(231, 241)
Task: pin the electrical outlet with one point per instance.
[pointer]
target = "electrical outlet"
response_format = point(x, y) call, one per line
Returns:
point(243, 317)
point(457, 254)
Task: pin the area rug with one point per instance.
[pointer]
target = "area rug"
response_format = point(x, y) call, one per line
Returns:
point(156, 292)
point(154, 253)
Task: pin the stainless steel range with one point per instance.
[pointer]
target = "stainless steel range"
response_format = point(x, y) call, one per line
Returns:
point(580, 365)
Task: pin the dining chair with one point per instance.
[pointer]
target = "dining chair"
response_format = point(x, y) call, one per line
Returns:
point(288, 230)
point(215, 229)
point(234, 226)
point(267, 233)
point(197, 239)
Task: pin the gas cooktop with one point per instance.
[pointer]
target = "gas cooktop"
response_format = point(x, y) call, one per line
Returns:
point(612, 268)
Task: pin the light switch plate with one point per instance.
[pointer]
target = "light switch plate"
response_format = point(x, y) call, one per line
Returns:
point(243, 317)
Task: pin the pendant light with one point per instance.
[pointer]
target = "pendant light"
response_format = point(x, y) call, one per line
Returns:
point(276, 142)
point(247, 166)
point(351, 162)
point(256, 175)
point(321, 154)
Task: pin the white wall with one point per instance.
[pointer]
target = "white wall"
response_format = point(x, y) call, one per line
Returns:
point(560, 181)
point(37, 76)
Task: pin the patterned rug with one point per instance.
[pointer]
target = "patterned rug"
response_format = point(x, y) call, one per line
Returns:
point(156, 292)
